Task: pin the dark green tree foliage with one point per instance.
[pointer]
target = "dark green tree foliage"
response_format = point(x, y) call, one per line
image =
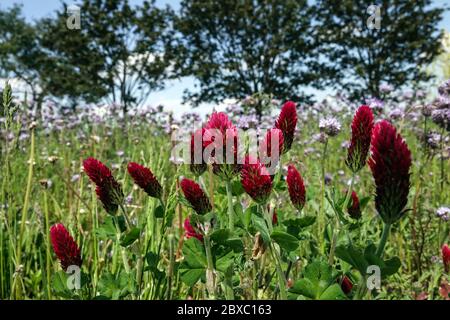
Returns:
point(364, 58)
point(235, 48)
point(117, 53)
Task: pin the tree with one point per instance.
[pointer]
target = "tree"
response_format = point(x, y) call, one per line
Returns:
point(363, 58)
point(235, 48)
point(117, 54)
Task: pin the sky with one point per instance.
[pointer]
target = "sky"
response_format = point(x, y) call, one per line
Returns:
point(171, 96)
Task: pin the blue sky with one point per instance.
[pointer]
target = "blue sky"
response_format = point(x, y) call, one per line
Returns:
point(171, 96)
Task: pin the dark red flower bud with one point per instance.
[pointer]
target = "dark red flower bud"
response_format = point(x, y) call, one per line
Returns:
point(145, 179)
point(108, 189)
point(286, 122)
point(296, 187)
point(346, 285)
point(358, 150)
point(198, 164)
point(256, 180)
point(96, 171)
point(195, 196)
point(65, 247)
point(390, 163)
point(190, 231)
point(446, 257)
point(353, 207)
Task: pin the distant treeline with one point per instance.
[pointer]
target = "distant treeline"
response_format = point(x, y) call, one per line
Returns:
point(110, 50)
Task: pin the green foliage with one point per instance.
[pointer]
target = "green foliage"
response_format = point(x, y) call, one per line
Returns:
point(194, 266)
point(238, 48)
point(361, 260)
point(317, 283)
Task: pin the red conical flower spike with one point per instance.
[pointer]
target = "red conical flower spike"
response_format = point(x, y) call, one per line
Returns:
point(287, 122)
point(446, 257)
point(296, 187)
point(390, 163)
point(196, 197)
point(189, 230)
point(65, 247)
point(353, 207)
point(256, 180)
point(108, 190)
point(145, 179)
point(358, 150)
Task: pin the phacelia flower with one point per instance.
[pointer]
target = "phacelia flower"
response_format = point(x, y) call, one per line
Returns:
point(331, 126)
point(443, 213)
point(346, 285)
point(390, 164)
point(225, 164)
point(145, 179)
point(198, 164)
point(446, 257)
point(375, 104)
point(256, 180)
point(286, 122)
point(353, 208)
point(195, 196)
point(189, 230)
point(442, 118)
point(296, 188)
point(358, 150)
point(65, 247)
point(108, 189)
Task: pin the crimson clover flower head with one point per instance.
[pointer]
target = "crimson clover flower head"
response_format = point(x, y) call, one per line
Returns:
point(108, 190)
point(256, 180)
point(362, 126)
point(286, 122)
point(145, 179)
point(446, 257)
point(190, 231)
point(96, 171)
point(225, 164)
point(65, 247)
point(198, 164)
point(353, 208)
point(296, 188)
point(195, 196)
point(390, 163)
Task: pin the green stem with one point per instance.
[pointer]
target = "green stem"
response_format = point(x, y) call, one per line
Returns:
point(230, 206)
point(322, 200)
point(384, 237)
point(348, 194)
point(333, 242)
point(210, 285)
